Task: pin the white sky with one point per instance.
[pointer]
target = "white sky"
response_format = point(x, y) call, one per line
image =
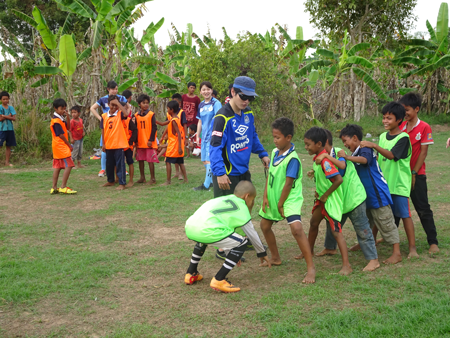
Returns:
point(256, 16)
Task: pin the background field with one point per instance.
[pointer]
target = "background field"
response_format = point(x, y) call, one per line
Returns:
point(108, 263)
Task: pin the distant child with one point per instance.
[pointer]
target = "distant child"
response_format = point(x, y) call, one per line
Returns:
point(378, 199)
point(131, 132)
point(190, 104)
point(128, 95)
point(283, 196)
point(77, 132)
point(420, 136)
point(215, 94)
point(61, 147)
point(394, 155)
point(175, 145)
point(7, 116)
point(194, 148)
point(215, 223)
point(162, 146)
point(146, 139)
point(329, 194)
point(115, 141)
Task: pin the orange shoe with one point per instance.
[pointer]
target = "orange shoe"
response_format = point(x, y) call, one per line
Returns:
point(66, 190)
point(223, 285)
point(191, 279)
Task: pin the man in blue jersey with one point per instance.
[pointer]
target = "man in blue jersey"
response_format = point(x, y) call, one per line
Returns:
point(112, 89)
point(234, 139)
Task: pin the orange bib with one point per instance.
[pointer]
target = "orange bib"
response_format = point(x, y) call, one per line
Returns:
point(60, 148)
point(172, 144)
point(115, 137)
point(128, 132)
point(144, 127)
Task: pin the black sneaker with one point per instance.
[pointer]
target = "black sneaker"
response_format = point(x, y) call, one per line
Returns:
point(200, 188)
point(221, 255)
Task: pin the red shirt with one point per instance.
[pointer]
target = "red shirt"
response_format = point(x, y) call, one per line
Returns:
point(328, 168)
point(419, 135)
point(190, 107)
point(76, 128)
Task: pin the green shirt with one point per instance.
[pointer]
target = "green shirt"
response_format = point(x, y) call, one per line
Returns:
point(275, 184)
point(217, 219)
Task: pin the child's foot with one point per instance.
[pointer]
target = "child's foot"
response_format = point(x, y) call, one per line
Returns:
point(130, 184)
point(346, 270)
point(151, 182)
point(301, 256)
point(378, 241)
point(186, 181)
point(326, 252)
point(9, 165)
point(180, 177)
point(394, 259)
point(121, 187)
point(141, 180)
point(433, 249)
point(107, 184)
point(276, 262)
point(372, 266)
point(176, 175)
point(355, 247)
point(310, 277)
point(167, 183)
point(413, 253)
point(81, 166)
point(117, 180)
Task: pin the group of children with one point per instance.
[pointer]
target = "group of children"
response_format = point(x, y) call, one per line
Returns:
point(372, 190)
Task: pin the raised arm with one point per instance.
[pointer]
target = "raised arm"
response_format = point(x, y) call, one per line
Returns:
point(94, 112)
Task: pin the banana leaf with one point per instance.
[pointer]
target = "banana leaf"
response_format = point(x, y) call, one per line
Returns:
point(178, 48)
point(420, 42)
point(103, 10)
point(283, 31)
point(313, 65)
point(442, 22)
point(325, 52)
point(442, 62)
point(167, 94)
point(67, 55)
point(358, 47)
point(166, 79)
point(25, 18)
point(408, 59)
point(299, 33)
point(66, 26)
point(403, 91)
point(442, 88)
point(84, 54)
point(47, 36)
point(9, 50)
point(144, 60)
point(127, 84)
point(47, 70)
point(370, 82)
point(123, 6)
point(77, 7)
point(358, 60)
point(149, 92)
point(123, 18)
point(150, 31)
point(97, 34)
point(432, 33)
point(40, 82)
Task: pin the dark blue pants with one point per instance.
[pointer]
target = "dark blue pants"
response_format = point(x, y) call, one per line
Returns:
point(114, 158)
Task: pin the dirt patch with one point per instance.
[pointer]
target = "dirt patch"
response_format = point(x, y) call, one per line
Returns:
point(440, 128)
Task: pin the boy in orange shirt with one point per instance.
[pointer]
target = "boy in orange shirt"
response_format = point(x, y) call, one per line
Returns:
point(61, 147)
point(175, 144)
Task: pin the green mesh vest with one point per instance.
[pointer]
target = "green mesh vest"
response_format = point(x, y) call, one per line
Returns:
point(352, 188)
point(397, 173)
point(275, 184)
point(217, 219)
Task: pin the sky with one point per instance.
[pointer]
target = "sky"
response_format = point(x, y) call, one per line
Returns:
point(256, 16)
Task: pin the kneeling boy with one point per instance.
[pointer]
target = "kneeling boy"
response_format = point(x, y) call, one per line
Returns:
point(215, 223)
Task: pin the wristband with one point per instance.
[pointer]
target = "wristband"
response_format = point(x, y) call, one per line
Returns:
point(413, 172)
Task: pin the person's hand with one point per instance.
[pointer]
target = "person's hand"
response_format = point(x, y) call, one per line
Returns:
point(310, 173)
point(323, 198)
point(265, 258)
point(71, 147)
point(180, 151)
point(116, 102)
point(265, 203)
point(342, 153)
point(320, 158)
point(266, 161)
point(367, 144)
point(103, 149)
point(149, 144)
point(413, 181)
point(223, 182)
point(316, 195)
point(448, 143)
point(281, 210)
point(84, 133)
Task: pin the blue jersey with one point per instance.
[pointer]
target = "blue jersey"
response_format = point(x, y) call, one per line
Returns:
point(206, 112)
point(372, 178)
point(233, 140)
point(103, 102)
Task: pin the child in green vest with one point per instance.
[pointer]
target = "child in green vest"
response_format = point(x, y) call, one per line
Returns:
point(329, 194)
point(283, 195)
point(215, 223)
point(394, 155)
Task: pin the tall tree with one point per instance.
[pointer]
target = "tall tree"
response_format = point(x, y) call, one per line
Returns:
point(363, 19)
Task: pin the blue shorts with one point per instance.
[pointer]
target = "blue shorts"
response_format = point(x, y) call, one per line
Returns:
point(9, 137)
point(101, 141)
point(290, 219)
point(400, 206)
point(205, 151)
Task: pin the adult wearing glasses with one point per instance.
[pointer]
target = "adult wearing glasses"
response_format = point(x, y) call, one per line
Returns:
point(234, 139)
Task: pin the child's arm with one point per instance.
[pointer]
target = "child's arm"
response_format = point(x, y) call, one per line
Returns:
point(354, 159)
point(103, 138)
point(165, 123)
point(265, 199)
point(93, 110)
point(284, 194)
point(386, 153)
point(448, 142)
point(340, 164)
point(153, 133)
point(337, 181)
point(175, 126)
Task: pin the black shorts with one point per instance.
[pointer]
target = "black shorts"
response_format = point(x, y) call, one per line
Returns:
point(234, 182)
point(175, 160)
point(128, 156)
point(9, 137)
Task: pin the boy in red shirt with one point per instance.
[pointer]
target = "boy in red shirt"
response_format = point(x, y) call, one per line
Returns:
point(77, 133)
point(190, 104)
point(420, 136)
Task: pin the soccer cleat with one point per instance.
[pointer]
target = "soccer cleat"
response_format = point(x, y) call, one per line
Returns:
point(102, 173)
point(66, 190)
point(54, 191)
point(191, 279)
point(200, 188)
point(223, 286)
point(223, 256)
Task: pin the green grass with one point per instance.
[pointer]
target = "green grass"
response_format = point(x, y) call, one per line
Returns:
point(111, 264)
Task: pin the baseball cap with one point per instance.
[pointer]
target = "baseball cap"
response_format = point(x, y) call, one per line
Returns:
point(246, 85)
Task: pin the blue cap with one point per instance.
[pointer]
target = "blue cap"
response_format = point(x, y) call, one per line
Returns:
point(246, 85)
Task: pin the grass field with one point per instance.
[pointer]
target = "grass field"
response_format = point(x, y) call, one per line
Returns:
point(105, 263)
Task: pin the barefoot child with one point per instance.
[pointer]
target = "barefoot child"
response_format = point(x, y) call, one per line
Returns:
point(214, 223)
point(329, 194)
point(175, 144)
point(77, 132)
point(131, 132)
point(62, 157)
point(378, 199)
point(7, 116)
point(146, 139)
point(114, 142)
point(394, 155)
point(283, 195)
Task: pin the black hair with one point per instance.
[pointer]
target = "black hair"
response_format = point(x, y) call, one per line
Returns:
point(215, 92)
point(395, 109)
point(177, 96)
point(112, 97)
point(193, 127)
point(141, 98)
point(352, 129)
point(207, 84)
point(76, 108)
point(59, 103)
point(173, 105)
point(111, 85)
point(412, 99)
point(329, 137)
point(229, 89)
point(316, 135)
point(284, 125)
point(191, 84)
point(4, 93)
point(127, 93)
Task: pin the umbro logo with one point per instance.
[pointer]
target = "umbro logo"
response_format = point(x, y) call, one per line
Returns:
point(241, 130)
